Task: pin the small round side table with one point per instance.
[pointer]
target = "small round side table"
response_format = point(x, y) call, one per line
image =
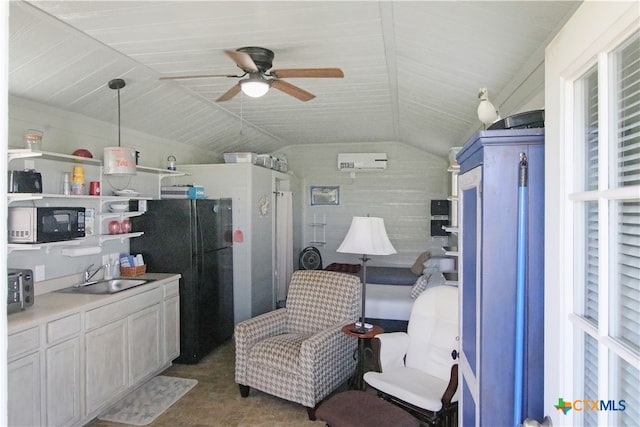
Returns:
point(364, 353)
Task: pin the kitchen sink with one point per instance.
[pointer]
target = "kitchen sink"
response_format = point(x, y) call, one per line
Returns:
point(106, 286)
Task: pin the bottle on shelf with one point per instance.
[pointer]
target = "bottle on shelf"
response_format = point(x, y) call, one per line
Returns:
point(66, 183)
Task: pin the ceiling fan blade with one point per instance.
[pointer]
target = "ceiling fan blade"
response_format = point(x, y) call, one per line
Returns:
point(196, 77)
point(292, 90)
point(242, 60)
point(235, 89)
point(308, 72)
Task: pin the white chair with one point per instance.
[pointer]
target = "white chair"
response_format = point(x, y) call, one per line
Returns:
point(417, 369)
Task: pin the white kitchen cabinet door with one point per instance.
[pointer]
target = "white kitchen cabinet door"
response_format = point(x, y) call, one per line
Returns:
point(24, 391)
point(63, 392)
point(145, 351)
point(172, 328)
point(106, 364)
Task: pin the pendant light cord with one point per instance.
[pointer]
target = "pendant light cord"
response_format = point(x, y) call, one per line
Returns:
point(118, 117)
point(117, 84)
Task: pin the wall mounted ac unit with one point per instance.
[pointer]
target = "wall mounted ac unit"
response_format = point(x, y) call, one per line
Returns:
point(349, 162)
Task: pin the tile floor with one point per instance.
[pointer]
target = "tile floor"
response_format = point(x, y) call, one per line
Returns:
point(216, 401)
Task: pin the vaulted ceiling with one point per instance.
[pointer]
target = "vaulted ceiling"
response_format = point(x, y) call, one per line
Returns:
point(412, 69)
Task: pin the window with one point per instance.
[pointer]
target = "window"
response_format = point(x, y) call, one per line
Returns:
point(592, 218)
point(606, 285)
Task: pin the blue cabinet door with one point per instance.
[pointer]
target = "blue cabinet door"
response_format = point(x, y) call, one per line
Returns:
point(489, 221)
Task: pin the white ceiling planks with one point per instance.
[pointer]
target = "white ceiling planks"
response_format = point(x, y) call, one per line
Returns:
point(412, 69)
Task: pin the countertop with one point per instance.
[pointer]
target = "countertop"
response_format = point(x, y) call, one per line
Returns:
point(54, 305)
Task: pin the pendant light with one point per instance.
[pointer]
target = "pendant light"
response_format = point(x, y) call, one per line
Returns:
point(119, 160)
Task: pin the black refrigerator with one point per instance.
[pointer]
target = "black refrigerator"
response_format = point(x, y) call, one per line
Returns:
point(193, 238)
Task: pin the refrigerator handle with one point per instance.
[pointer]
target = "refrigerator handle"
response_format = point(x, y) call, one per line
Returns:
point(199, 242)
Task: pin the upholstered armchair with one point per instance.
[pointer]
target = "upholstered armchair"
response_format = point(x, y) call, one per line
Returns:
point(417, 369)
point(299, 353)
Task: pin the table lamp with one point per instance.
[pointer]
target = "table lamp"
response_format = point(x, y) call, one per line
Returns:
point(366, 236)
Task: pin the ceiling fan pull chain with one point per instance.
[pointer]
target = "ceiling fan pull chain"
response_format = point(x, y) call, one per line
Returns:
point(241, 104)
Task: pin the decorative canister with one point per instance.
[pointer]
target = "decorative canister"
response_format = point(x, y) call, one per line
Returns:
point(33, 139)
point(77, 180)
point(171, 163)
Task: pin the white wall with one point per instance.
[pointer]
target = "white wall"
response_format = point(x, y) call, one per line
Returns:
point(63, 133)
point(401, 195)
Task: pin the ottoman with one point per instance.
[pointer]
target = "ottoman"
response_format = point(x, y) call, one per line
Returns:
point(360, 409)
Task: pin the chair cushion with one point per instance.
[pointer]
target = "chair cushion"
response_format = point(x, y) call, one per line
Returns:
point(318, 299)
point(280, 353)
point(410, 385)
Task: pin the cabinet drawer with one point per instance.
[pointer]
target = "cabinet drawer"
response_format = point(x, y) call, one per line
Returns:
point(61, 329)
point(118, 310)
point(23, 342)
point(171, 289)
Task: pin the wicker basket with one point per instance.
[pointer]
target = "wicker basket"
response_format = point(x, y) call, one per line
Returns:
point(133, 271)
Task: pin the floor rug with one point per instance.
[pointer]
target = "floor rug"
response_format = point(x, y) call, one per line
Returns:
point(145, 404)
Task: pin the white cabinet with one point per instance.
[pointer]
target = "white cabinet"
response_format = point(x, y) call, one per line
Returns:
point(63, 393)
point(122, 352)
point(172, 321)
point(145, 353)
point(106, 363)
point(23, 378)
point(24, 391)
point(69, 368)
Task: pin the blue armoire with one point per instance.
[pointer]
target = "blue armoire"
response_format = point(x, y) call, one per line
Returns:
point(488, 227)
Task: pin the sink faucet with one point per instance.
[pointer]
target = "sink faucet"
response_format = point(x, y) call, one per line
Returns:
point(88, 275)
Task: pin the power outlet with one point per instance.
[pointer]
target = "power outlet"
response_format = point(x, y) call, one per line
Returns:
point(38, 274)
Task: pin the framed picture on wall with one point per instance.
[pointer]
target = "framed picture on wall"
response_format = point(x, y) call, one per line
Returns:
point(325, 195)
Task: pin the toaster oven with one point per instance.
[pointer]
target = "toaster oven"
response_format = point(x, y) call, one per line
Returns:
point(20, 293)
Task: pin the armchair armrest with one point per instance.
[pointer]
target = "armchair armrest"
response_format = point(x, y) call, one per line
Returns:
point(452, 387)
point(391, 348)
point(327, 357)
point(251, 331)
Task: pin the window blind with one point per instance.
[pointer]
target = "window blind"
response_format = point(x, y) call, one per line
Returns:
point(626, 314)
point(622, 233)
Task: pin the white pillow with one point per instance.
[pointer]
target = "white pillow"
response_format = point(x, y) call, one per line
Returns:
point(419, 286)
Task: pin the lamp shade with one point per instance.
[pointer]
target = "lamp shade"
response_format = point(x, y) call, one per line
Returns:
point(254, 87)
point(367, 236)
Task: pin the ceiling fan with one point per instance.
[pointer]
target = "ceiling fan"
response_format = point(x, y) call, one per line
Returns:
point(256, 63)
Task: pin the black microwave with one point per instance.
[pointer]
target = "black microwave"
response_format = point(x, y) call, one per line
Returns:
point(45, 224)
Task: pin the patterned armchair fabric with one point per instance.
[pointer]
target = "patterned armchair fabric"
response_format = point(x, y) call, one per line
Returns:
point(299, 353)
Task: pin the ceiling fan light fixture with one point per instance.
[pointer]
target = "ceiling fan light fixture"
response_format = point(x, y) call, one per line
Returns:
point(254, 87)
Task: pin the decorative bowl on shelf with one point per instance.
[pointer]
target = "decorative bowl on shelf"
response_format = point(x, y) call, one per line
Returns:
point(118, 207)
point(81, 152)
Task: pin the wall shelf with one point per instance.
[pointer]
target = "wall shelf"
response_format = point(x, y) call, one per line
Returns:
point(107, 237)
point(319, 230)
point(159, 171)
point(22, 153)
point(38, 246)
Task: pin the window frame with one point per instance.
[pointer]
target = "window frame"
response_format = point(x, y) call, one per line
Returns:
point(595, 30)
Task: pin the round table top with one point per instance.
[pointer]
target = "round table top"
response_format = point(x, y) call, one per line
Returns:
point(347, 329)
